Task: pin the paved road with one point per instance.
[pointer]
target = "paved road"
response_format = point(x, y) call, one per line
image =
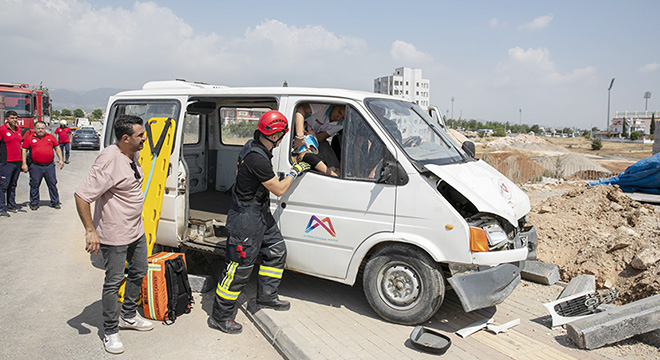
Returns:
point(50, 293)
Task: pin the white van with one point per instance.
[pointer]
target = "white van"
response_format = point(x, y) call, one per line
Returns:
point(410, 211)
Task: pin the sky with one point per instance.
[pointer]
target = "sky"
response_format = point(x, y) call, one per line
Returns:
point(548, 63)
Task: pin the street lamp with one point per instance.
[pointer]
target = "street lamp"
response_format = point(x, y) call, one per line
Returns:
point(520, 110)
point(607, 126)
point(647, 96)
point(452, 107)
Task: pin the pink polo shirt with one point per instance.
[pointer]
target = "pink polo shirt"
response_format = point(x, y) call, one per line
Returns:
point(117, 194)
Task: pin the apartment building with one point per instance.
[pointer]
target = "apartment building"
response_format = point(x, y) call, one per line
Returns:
point(406, 83)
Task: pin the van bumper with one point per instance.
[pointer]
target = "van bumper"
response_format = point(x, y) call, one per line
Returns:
point(486, 288)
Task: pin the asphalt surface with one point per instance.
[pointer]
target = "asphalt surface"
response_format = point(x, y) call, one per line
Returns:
point(50, 292)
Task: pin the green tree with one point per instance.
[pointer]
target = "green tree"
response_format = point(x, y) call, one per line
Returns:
point(57, 113)
point(634, 135)
point(97, 114)
point(535, 129)
point(78, 113)
point(623, 131)
point(596, 144)
point(66, 112)
point(652, 130)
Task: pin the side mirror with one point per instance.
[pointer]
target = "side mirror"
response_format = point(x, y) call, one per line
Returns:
point(392, 173)
point(468, 147)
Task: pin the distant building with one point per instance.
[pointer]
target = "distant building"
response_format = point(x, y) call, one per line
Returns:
point(636, 121)
point(406, 83)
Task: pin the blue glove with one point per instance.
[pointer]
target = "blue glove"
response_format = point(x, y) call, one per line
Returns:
point(298, 169)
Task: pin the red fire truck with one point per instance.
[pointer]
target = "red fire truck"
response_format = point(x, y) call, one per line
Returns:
point(31, 105)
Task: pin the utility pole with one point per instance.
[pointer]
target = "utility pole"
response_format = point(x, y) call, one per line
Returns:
point(452, 107)
point(647, 96)
point(607, 126)
point(520, 110)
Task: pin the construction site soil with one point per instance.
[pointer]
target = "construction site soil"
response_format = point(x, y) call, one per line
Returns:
point(585, 230)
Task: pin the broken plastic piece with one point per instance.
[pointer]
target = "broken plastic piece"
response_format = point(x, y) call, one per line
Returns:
point(504, 327)
point(473, 328)
point(577, 306)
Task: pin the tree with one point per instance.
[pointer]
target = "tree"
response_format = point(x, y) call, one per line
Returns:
point(535, 129)
point(78, 113)
point(66, 112)
point(57, 113)
point(652, 130)
point(97, 114)
point(634, 135)
point(623, 131)
point(596, 144)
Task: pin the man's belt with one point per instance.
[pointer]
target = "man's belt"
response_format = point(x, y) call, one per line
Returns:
point(39, 164)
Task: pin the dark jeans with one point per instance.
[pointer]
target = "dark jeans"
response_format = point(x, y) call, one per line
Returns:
point(114, 258)
point(38, 172)
point(65, 149)
point(9, 172)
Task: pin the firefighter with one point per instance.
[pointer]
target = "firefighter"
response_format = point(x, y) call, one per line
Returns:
point(252, 228)
point(10, 163)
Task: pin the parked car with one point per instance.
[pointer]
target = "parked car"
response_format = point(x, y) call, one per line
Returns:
point(86, 138)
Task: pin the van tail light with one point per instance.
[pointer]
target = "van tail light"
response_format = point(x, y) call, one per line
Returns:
point(478, 240)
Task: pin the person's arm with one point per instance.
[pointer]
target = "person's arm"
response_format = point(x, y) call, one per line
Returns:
point(279, 187)
point(92, 243)
point(58, 151)
point(322, 136)
point(24, 167)
point(299, 123)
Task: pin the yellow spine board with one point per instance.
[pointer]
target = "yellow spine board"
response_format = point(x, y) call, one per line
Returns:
point(153, 200)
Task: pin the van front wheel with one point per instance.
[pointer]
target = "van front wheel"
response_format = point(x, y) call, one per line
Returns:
point(403, 285)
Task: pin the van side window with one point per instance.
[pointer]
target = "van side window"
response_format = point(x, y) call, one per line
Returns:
point(145, 109)
point(191, 129)
point(363, 151)
point(239, 123)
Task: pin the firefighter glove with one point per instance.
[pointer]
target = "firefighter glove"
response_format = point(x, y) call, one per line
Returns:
point(298, 169)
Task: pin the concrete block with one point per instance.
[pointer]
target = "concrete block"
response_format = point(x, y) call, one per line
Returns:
point(201, 283)
point(579, 284)
point(617, 324)
point(540, 272)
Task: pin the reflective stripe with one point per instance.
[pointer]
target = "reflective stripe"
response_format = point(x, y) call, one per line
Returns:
point(226, 294)
point(152, 268)
point(223, 287)
point(270, 271)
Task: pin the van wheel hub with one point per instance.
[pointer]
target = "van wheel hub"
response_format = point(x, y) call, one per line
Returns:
point(399, 285)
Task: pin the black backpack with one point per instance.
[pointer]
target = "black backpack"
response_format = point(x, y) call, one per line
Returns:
point(179, 294)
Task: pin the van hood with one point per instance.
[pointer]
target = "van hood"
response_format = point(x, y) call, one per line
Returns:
point(486, 188)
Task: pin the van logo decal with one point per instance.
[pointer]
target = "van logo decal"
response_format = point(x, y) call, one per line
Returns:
point(314, 222)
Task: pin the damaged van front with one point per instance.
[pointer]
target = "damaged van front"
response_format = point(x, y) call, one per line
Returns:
point(467, 216)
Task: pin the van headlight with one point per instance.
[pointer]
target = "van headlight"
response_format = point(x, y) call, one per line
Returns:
point(496, 235)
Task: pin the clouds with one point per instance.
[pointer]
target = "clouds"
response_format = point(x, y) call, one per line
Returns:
point(105, 46)
point(406, 53)
point(649, 67)
point(534, 66)
point(538, 23)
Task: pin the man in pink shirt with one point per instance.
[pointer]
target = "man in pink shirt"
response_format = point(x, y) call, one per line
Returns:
point(114, 184)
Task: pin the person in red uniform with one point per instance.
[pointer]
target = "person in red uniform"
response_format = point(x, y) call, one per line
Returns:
point(10, 163)
point(42, 166)
point(64, 138)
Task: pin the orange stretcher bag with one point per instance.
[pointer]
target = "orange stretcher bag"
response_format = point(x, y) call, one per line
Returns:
point(166, 291)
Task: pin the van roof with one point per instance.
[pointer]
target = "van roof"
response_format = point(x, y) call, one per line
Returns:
point(181, 87)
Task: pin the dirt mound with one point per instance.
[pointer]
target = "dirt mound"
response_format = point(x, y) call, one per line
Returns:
point(529, 143)
point(566, 165)
point(514, 165)
point(599, 231)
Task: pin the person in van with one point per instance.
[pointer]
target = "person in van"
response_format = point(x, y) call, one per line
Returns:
point(322, 125)
point(252, 229)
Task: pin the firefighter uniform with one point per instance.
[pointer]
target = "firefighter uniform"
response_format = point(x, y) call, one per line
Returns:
point(252, 232)
point(42, 167)
point(10, 166)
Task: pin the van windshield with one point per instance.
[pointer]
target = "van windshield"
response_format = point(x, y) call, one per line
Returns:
point(422, 139)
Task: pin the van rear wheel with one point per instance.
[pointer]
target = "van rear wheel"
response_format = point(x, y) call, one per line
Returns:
point(403, 284)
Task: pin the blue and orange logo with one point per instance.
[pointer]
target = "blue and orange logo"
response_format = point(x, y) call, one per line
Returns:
point(314, 222)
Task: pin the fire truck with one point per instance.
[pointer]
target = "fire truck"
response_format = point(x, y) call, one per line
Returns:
point(31, 104)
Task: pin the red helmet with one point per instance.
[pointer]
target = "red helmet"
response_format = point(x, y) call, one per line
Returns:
point(272, 122)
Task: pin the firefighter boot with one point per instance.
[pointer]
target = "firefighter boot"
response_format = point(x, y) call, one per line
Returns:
point(275, 304)
point(227, 326)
